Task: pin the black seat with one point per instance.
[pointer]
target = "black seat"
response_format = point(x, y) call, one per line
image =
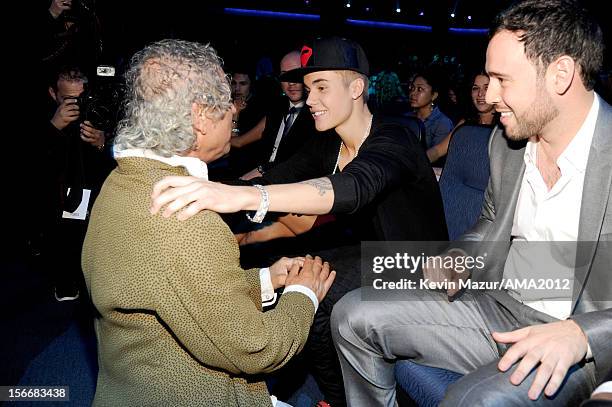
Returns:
point(413, 125)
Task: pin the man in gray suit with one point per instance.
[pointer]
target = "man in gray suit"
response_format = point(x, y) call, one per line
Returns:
point(551, 176)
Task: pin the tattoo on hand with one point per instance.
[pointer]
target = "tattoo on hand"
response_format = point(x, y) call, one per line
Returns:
point(321, 184)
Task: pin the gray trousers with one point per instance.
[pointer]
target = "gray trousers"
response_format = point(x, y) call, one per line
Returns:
point(424, 327)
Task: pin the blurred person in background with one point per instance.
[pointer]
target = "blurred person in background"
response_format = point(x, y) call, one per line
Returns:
point(425, 91)
point(482, 113)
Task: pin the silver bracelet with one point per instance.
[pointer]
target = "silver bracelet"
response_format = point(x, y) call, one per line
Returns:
point(264, 204)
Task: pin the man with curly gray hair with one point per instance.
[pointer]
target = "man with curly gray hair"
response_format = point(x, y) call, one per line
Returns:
point(179, 322)
point(165, 80)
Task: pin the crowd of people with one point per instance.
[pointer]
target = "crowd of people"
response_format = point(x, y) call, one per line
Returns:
point(215, 218)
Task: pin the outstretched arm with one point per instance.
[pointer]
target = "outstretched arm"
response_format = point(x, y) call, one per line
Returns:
point(191, 195)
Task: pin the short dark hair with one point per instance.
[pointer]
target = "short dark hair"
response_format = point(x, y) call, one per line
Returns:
point(434, 78)
point(438, 80)
point(243, 70)
point(69, 73)
point(552, 28)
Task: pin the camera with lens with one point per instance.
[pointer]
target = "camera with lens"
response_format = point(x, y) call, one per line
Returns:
point(100, 100)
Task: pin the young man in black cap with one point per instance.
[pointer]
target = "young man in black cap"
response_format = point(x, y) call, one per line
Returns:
point(387, 166)
point(373, 170)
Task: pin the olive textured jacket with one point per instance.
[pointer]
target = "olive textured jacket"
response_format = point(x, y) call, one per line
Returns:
point(179, 322)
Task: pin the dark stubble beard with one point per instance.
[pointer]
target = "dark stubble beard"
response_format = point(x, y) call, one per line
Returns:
point(541, 112)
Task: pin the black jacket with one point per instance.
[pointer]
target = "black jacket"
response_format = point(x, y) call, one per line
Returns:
point(389, 190)
point(302, 129)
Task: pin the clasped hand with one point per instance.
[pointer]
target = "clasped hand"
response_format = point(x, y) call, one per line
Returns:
point(305, 271)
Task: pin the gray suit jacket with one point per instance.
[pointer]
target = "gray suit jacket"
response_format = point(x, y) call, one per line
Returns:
point(592, 299)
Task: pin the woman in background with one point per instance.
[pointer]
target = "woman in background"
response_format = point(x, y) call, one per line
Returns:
point(482, 113)
point(425, 91)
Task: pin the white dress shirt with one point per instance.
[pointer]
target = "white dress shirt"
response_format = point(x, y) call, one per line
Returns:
point(550, 216)
point(194, 166)
point(268, 296)
point(289, 118)
point(605, 387)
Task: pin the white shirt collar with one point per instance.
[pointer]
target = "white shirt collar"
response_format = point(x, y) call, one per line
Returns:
point(297, 105)
point(577, 151)
point(194, 166)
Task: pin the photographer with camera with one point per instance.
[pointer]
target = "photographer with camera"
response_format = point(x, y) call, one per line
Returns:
point(68, 111)
point(75, 165)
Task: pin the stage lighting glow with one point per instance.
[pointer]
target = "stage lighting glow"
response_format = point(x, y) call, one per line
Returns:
point(384, 24)
point(272, 14)
point(469, 31)
point(362, 23)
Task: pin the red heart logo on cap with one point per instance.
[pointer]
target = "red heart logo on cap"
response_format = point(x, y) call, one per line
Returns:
point(306, 54)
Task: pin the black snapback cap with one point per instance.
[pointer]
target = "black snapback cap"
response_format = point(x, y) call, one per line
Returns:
point(329, 54)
